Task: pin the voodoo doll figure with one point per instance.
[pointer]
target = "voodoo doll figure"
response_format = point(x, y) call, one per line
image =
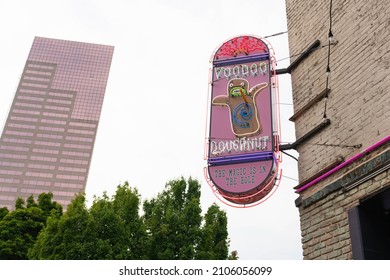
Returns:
point(241, 101)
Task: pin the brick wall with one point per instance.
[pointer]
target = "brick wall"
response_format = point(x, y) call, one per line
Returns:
point(358, 108)
point(359, 80)
point(324, 214)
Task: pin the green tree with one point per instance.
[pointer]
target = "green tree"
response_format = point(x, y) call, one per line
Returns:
point(119, 228)
point(20, 227)
point(18, 231)
point(110, 229)
point(175, 228)
point(72, 236)
point(171, 227)
point(3, 212)
point(214, 244)
point(126, 204)
point(30, 201)
point(233, 255)
point(173, 221)
point(48, 206)
point(19, 203)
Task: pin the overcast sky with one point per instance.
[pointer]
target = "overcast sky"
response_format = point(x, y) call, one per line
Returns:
point(152, 126)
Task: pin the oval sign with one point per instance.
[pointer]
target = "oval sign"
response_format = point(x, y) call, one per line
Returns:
point(241, 154)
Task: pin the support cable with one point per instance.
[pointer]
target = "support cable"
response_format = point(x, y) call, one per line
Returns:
point(276, 34)
point(289, 155)
point(330, 41)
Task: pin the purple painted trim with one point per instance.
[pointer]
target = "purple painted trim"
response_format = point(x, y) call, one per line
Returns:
point(241, 158)
point(242, 59)
point(337, 168)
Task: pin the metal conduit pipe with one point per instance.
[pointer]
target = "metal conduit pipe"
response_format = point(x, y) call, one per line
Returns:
point(349, 161)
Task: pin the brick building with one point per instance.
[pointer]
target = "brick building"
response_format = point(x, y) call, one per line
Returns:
point(342, 126)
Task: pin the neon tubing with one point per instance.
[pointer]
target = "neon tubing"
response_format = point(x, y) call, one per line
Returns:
point(218, 195)
point(337, 168)
point(262, 156)
point(245, 59)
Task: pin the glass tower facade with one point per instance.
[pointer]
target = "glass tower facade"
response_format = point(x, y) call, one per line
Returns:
point(48, 137)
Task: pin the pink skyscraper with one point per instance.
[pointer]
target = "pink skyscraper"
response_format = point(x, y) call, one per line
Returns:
point(48, 138)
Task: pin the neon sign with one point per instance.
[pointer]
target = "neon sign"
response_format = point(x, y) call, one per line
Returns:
point(242, 142)
point(241, 71)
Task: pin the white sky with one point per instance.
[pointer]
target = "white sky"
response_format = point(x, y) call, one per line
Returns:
point(152, 126)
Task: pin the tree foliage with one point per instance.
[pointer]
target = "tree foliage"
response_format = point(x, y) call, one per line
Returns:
point(214, 244)
point(110, 229)
point(173, 221)
point(171, 226)
point(20, 228)
point(3, 212)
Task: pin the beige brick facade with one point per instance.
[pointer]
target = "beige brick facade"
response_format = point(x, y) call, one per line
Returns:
point(358, 107)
